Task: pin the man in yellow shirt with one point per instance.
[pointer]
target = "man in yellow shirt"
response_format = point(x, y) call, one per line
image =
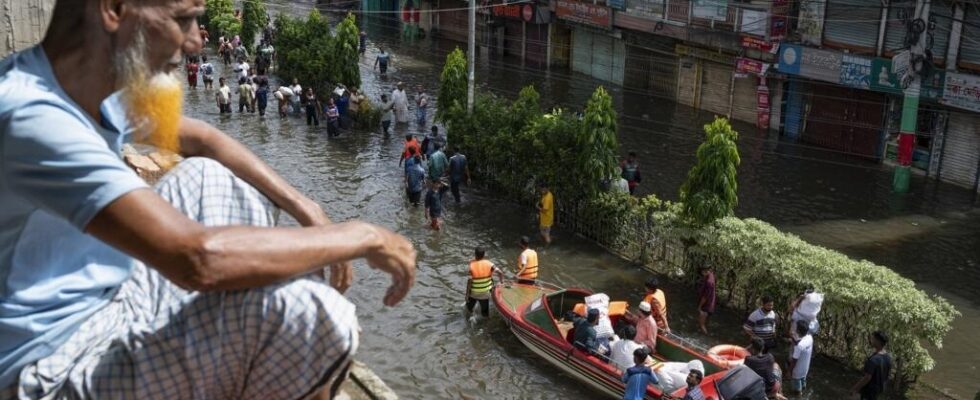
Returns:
point(546, 213)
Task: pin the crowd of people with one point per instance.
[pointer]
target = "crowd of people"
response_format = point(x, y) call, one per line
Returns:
point(432, 167)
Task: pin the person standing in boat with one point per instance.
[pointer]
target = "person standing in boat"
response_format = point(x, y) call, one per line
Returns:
point(638, 377)
point(646, 328)
point(527, 263)
point(480, 282)
point(658, 303)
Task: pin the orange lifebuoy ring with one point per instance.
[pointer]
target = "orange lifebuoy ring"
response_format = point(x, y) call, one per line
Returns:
point(728, 355)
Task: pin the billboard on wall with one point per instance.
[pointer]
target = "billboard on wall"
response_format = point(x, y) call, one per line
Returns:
point(710, 9)
point(810, 23)
point(962, 91)
point(584, 13)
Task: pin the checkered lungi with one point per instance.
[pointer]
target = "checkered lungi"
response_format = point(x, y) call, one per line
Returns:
point(154, 340)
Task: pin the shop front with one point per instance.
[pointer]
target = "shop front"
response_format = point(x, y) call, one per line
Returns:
point(830, 100)
point(959, 152)
point(596, 49)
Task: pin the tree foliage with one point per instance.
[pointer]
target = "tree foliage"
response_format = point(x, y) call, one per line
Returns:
point(221, 21)
point(308, 51)
point(254, 18)
point(596, 142)
point(346, 43)
point(710, 191)
point(513, 145)
point(452, 86)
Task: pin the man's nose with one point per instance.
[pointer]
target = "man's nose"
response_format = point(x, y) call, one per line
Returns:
point(193, 44)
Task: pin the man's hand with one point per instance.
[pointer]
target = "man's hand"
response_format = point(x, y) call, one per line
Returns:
point(395, 255)
point(342, 276)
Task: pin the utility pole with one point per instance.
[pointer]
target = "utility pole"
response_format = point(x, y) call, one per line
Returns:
point(910, 104)
point(471, 59)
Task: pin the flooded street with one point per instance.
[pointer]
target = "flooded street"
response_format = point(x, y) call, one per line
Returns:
point(426, 348)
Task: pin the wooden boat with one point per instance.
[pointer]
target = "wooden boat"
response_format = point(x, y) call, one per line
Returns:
point(530, 312)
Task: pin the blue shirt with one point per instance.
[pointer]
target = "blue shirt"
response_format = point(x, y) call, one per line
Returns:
point(457, 167)
point(433, 203)
point(409, 162)
point(636, 379)
point(58, 169)
point(416, 177)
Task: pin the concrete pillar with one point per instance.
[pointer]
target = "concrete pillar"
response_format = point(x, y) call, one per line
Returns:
point(23, 23)
point(882, 24)
point(955, 35)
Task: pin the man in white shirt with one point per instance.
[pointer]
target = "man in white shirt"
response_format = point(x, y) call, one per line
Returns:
point(298, 94)
point(223, 97)
point(621, 351)
point(799, 360)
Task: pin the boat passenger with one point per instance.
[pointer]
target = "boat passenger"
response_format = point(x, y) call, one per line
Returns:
point(638, 377)
point(527, 264)
point(480, 282)
point(621, 351)
point(646, 328)
point(585, 337)
point(694, 385)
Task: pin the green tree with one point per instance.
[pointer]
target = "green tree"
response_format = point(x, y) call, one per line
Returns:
point(254, 18)
point(711, 189)
point(452, 86)
point(596, 143)
point(346, 69)
point(220, 16)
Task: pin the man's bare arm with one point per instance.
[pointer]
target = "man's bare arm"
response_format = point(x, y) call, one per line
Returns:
point(145, 226)
point(198, 138)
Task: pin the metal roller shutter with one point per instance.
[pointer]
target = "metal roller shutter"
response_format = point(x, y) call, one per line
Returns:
point(636, 75)
point(582, 51)
point(970, 39)
point(961, 150)
point(602, 57)
point(687, 80)
point(513, 37)
point(852, 24)
point(663, 76)
point(618, 61)
point(745, 103)
point(716, 81)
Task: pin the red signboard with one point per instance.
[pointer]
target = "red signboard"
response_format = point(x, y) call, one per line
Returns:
point(524, 12)
point(777, 30)
point(584, 13)
point(752, 42)
point(750, 66)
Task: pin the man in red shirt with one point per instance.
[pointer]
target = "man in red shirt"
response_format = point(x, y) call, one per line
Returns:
point(410, 144)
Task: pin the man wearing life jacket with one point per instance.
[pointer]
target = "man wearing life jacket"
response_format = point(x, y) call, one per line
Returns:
point(658, 303)
point(527, 263)
point(480, 282)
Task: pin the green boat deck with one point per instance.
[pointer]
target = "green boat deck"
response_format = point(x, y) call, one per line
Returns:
point(515, 295)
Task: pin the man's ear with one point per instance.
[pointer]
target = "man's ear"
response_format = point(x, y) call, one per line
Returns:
point(111, 12)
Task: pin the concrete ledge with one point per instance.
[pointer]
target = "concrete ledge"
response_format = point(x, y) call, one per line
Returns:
point(364, 384)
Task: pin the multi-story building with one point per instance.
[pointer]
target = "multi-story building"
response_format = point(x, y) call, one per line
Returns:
point(816, 71)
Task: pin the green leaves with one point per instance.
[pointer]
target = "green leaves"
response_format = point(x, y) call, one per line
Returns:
point(451, 100)
point(254, 18)
point(710, 191)
point(220, 15)
point(309, 51)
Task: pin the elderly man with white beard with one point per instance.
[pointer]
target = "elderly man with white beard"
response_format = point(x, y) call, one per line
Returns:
point(186, 290)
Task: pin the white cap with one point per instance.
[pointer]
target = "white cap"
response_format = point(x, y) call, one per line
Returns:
point(644, 306)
